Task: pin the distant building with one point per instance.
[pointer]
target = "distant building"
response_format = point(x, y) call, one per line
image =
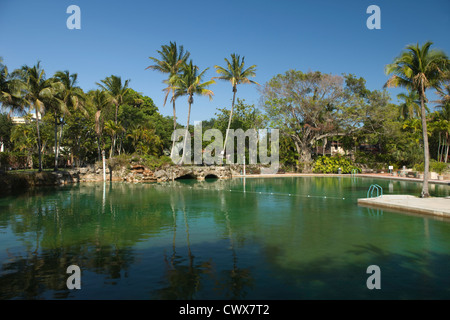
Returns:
point(332, 148)
point(21, 120)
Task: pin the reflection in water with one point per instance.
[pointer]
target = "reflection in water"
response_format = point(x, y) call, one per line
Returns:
point(284, 238)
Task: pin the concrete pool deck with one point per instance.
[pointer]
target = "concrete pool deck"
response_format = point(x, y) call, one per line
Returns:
point(435, 206)
point(430, 206)
point(366, 175)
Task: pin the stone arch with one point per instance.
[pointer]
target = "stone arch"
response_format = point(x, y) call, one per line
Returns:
point(186, 176)
point(211, 176)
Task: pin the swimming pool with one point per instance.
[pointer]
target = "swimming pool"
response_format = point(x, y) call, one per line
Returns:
point(259, 238)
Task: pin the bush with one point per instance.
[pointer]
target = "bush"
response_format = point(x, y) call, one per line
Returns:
point(14, 160)
point(125, 161)
point(119, 161)
point(153, 162)
point(48, 160)
point(420, 167)
point(325, 164)
point(439, 167)
point(435, 166)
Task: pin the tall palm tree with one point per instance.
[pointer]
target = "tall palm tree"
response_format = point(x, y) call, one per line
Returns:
point(117, 93)
point(37, 88)
point(55, 104)
point(73, 99)
point(190, 83)
point(419, 68)
point(236, 73)
point(444, 120)
point(99, 100)
point(172, 58)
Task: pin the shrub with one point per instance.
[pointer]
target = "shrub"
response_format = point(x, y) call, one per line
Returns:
point(118, 161)
point(153, 162)
point(435, 166)
point(438, 167)
point(327, 164)
point(125, 161)
point(14, 160)
point(420, 167)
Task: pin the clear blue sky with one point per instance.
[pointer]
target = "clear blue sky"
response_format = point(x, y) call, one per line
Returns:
point(117, 37)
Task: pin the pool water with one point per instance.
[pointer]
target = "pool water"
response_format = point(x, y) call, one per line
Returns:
point(278, 238)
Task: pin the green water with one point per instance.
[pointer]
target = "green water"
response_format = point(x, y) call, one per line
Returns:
point(280, 239)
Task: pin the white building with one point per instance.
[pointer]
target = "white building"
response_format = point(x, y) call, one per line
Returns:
point(21, 120)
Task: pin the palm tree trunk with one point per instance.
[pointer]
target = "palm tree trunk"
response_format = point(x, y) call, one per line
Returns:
point(98, 148)
point(229, 122)
point(56, 143)
point(38, 141)
point(447, 147)
point(174, 124)
point(425, 192)
point(117, 110)
point(187, 131)
point(115, 136)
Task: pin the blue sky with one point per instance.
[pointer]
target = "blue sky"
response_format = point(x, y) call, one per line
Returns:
point(117, 37)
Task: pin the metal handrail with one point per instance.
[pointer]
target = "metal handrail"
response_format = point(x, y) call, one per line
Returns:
point(374, 187)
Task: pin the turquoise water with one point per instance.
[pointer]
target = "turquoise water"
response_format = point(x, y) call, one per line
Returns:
point(281, 238)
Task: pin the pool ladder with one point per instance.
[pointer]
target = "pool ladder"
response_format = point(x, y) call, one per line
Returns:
point(374, 188)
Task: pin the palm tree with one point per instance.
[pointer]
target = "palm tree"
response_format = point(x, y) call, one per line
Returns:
point(419, 68)
point(409, 108)
point(23, 137)
point(37, 88)
point(99, 100)
point(145, 141)
point(444, 101)
point(236, 73)
point(112, 129)
point(444, 120)
point(10, 89)
point(55, 104)
point(117, 93)
point(173, 57)
point(189, 83)
point(73, 98)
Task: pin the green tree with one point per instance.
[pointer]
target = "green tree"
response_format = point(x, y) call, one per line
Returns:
point(307, 107)
point(36, 89)
point(190, 83)
point(236, 73)
point(419, 68)
point(23, 137)
point(99, 101)
point(409, 108)
point(56, 106)
point(6, 127)
point(145, 141)
point(112, 129)
point(172, 58)
point(442, 125)
point(74, 99)
point(117, 92)
point(10, 89)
